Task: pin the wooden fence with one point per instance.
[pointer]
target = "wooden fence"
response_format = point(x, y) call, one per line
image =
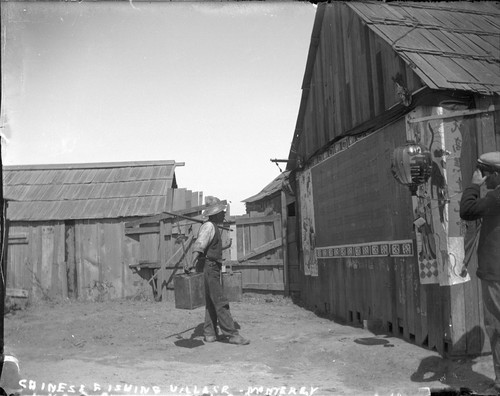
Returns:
point(166, 245)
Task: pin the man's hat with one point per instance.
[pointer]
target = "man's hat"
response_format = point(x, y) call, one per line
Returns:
point(489, 161)
point(213, 210)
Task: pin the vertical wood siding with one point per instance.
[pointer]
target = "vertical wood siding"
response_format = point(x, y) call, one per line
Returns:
point(103, 254)
point(352, 79)
point(42, 260)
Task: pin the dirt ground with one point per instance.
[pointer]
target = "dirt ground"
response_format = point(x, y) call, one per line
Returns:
point(127, 347)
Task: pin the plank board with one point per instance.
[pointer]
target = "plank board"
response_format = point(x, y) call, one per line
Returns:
point(47, 258)
point(142, 230)
point(266, 247)
point(168, 245)
point(257, 220)
point(409, 277)
point(19, 293)
point(60, 286)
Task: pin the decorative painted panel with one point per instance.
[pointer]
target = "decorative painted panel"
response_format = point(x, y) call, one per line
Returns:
point(440, 231)
point(402, 248)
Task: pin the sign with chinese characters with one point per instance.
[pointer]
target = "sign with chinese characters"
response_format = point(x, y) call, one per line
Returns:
point(439, 231)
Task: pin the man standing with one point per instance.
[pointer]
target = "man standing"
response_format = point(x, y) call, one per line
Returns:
point(473, 207)
point(208, 249)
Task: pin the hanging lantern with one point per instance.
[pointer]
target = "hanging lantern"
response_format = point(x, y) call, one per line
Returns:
point(411, 165)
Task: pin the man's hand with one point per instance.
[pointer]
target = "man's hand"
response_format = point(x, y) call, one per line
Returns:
point(477, 177)
point(192, 268)
point(188, 270)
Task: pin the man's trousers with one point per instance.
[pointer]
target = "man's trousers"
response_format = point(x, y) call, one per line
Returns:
point(216, 303)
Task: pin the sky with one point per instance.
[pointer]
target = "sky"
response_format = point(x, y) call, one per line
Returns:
point(216, 86)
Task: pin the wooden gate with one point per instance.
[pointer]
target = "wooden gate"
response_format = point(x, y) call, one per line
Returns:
point(260, 252)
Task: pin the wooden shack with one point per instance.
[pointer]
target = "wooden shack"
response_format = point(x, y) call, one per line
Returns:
point(379, 74)
point(66, 226)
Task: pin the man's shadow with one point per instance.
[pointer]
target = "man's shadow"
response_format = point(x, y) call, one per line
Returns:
point(455, 372)
point(192, 341)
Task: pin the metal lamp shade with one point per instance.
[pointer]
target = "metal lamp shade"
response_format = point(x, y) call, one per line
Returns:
point(411, 165)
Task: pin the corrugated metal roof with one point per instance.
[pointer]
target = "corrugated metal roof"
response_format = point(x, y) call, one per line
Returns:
point(270, 189)
point(450, 45)
point(87, 191)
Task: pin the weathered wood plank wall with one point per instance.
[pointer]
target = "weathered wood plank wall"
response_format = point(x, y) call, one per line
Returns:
point(267, 205)
point(42, 261)
point(352, 78)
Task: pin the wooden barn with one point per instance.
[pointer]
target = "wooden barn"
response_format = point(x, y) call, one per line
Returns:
point(380, 74)
point(66, 226)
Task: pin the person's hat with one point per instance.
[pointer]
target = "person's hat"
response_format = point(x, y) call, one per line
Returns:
point(489, 161)
point(213, 210)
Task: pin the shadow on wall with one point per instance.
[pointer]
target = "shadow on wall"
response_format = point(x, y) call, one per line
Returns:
point(456, 373)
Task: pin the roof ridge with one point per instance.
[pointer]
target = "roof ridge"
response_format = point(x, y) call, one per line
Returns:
point(92, 165)
point(92, 182)
point(427, 7)
point(449, 54)
point(417, 24)
point(86, 199)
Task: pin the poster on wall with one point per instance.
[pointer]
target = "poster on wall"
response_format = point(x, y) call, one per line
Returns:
point(439, 229)
point(307, 230)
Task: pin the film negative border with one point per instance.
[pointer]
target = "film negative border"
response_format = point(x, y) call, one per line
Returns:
point(403, 248)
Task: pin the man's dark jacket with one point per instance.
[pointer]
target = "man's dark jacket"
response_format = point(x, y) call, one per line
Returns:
point(472, 207)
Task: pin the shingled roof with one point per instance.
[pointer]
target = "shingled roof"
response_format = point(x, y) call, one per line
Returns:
point(88, 191)
point(449, 45)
